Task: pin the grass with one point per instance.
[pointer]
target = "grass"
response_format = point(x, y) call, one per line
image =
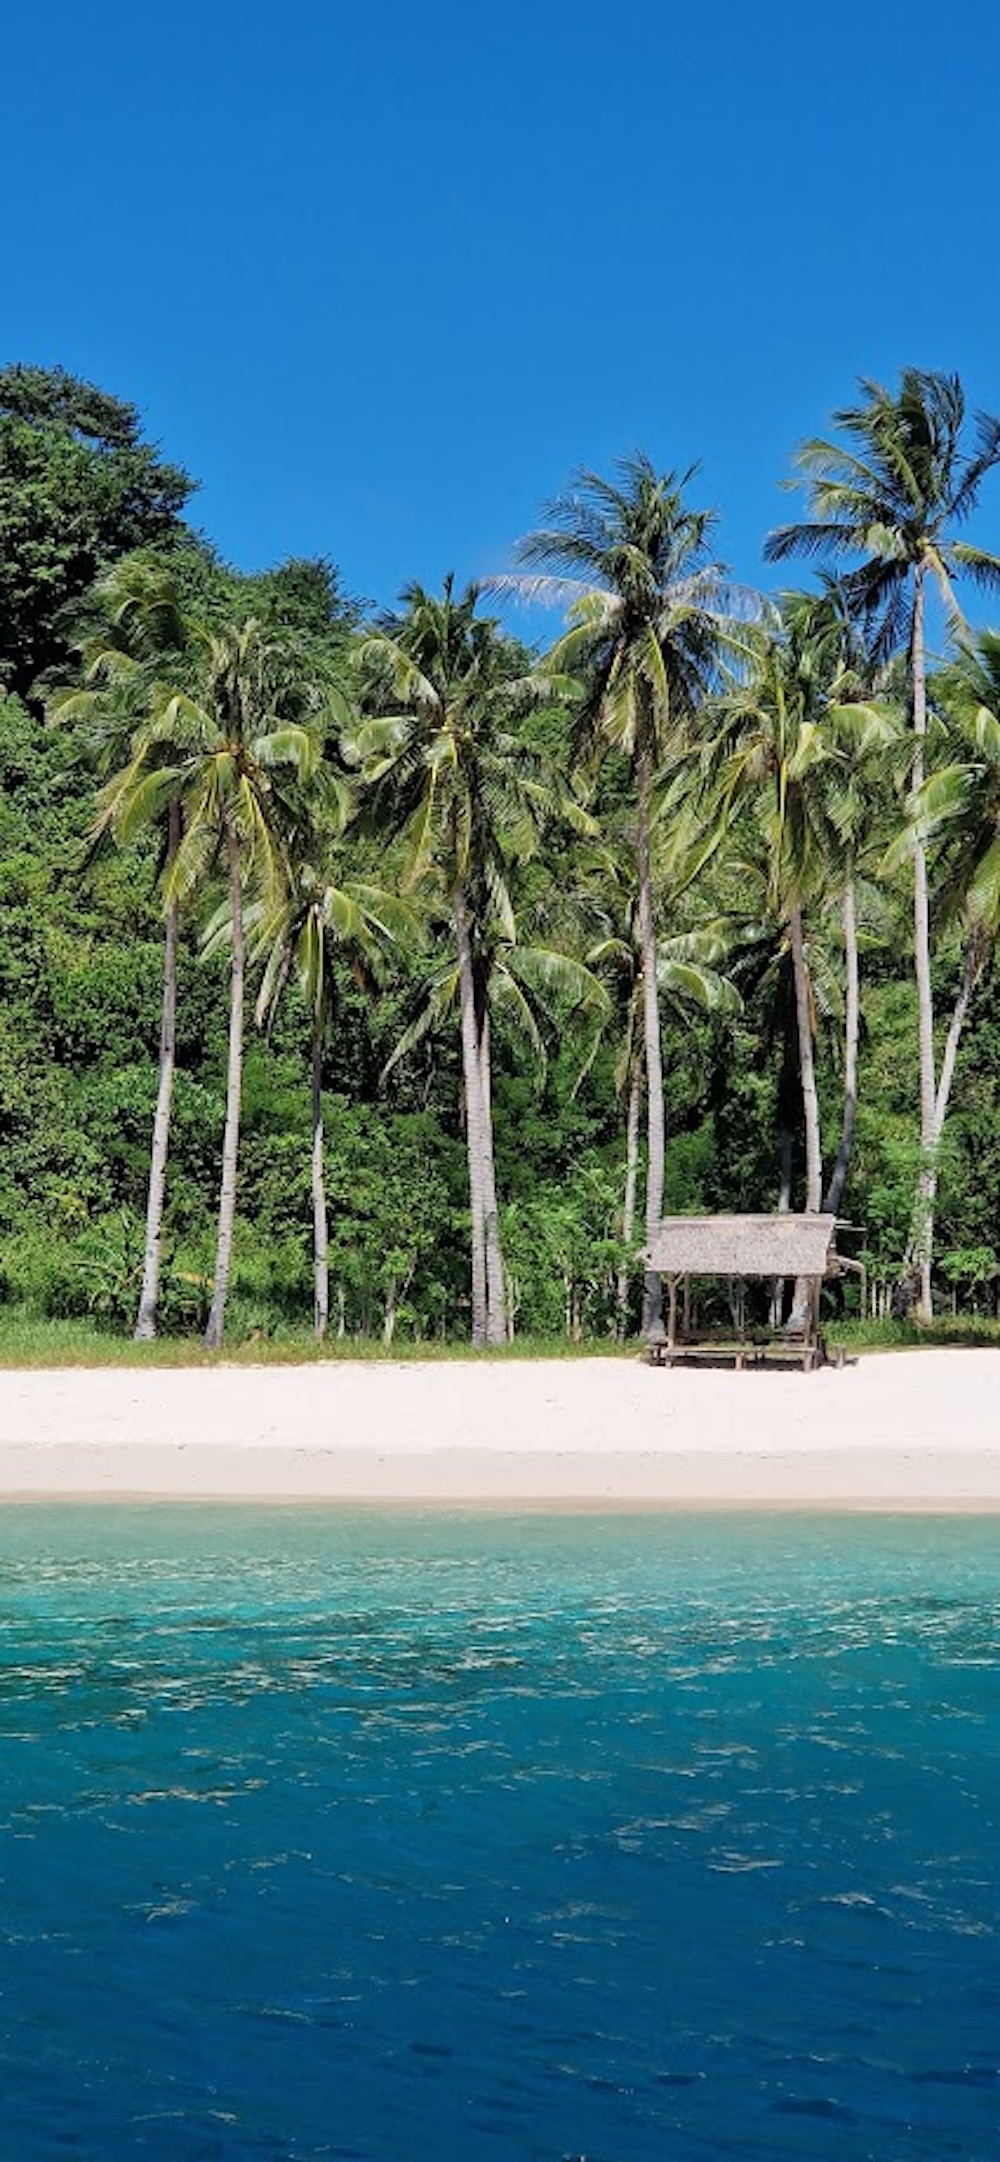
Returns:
point(946, 1329)
point(31, 1340)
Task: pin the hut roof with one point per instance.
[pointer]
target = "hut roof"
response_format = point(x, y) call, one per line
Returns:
point(784, 1245)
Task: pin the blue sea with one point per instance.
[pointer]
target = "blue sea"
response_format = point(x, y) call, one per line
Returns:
point(455, 1838)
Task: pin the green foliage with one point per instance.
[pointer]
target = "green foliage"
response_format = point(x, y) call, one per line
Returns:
point(464, 768)
point(95, 1276)
point(892, 489)
point(78, 488)
point(397, 1223)
point(563, 1250)
point(79, 992)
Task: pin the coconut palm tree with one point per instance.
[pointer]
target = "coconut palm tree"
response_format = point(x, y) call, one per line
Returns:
point(690, 975)
point(245, 720)
point(960, 802)
point(852, 694)
point(893, 495)
point(769, 755)
point(959, 807)
point(629, 559)
point(323, 918)
point(529, 995)
point(450, 770)
point(135, 626)
point(793, 752)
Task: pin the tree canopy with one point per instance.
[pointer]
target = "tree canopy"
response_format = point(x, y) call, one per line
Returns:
point(421, 954)
point(79, 488)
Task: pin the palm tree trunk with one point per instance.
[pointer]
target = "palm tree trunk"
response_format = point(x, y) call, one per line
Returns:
point(928, 1182)
point(145, 1327)
point(852, 1022)
point(472, 1079)
point(788, 1085)
point(321, 1265)
point(785, 1148)
point(496, 1307)
point(807, 1065)
point(652, 1290)
point(628, 1208)
point(972, 968)
point(922, 1226)
point(810, 1100)
point(234, 1083)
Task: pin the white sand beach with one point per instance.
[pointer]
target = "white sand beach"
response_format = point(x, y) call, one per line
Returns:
point(914, 1430)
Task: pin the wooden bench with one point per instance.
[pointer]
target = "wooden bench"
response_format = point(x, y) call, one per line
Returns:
point(782, 1347)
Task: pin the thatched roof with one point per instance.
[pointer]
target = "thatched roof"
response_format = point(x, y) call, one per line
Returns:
point(783, 1245)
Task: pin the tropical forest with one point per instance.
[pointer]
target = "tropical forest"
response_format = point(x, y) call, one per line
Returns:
point(379, 971)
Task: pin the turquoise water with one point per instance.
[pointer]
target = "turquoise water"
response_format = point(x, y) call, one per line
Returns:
point(633, 1840)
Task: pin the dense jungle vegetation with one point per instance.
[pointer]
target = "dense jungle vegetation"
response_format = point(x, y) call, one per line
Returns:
point(364, 968)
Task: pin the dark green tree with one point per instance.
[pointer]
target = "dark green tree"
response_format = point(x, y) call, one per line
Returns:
point(79, 487)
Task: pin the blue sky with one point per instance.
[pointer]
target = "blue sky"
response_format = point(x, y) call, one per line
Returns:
point(382, 281)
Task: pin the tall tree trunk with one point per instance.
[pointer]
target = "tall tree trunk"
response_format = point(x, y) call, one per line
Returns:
point(472, 1079)
point(921, 1230)
point(496, 1305)
point(922, 1236)
point(788, 1093)
point(807, 1064)
point(652, 1289)
point(810, 1100)
point(785, 1146)
point(628, 1207)
point(321, 1238)
point(852, 1023)
point(234, 1084)
point(145, 1327)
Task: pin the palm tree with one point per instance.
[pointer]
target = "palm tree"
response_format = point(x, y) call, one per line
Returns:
point(647, 611)
point(851, 697)
point(893, 494)
point(449, 770)
point(689, 975)
point(135, 626)
point(321, 919)
point(769, 755)
point(221, 750)
point(528, 994)
point(791, 755)
point(959, 804)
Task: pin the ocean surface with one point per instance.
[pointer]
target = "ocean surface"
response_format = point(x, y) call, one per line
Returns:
point(443, 1838)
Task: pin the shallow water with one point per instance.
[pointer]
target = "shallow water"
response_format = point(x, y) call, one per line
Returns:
point(389, 1837)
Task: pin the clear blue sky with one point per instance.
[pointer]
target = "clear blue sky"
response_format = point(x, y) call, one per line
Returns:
point(382, 279)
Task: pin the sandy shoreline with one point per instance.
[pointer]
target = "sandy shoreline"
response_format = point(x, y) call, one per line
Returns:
point(917, 1430)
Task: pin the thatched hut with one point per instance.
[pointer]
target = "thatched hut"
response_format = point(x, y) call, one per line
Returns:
point(737, 1248)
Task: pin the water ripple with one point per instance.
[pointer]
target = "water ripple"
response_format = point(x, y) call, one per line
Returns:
point(354, 1836)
